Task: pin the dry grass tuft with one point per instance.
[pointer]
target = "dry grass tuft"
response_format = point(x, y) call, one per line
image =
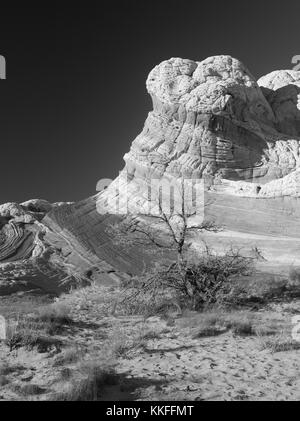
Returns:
point(90, 388)
point(68, 356)
point(280, 343)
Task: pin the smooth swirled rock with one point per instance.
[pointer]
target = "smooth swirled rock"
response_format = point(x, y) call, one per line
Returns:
point(212, 121)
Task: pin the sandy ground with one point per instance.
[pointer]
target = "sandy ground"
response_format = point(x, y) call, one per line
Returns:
point(158, 359)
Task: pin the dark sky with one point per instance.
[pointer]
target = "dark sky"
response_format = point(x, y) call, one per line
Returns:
point(75, 96)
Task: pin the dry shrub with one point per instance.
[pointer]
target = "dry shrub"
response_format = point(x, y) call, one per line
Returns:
point(196, 284)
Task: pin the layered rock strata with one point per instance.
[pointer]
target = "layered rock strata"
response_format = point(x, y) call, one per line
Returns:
point(211, 121)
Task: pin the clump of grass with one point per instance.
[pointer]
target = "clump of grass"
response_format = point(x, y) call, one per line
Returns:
point(122, 344)
point(280, 343)
point(33, 330)
point(268, 328)
point(69, 356)
point(21, 335)
point(54, 316)
point(29, 334)
point(95, 378)
point(242, 328)
point(240, 323)
point(218, 322)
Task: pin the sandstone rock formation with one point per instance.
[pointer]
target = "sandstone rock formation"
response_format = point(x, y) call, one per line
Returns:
point(54, 246)
point(211, 117)
point(282, 90)
point(211, 120)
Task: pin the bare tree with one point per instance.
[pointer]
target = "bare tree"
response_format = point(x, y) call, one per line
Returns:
point(163, 230)
point(190, 279)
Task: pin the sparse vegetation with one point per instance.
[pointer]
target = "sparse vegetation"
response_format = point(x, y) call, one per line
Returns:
point(55, 316)
point(90, 387)
point(33, 330)
point(68, 356)
point(86, 372)
point(216, 322)
point(261, 289)
point(30, 334)
point(205, 281)
point(280, 343)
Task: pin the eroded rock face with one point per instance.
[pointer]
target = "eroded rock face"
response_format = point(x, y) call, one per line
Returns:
point(212, 118)
point(25, 258)
point(282, 90)
point(54, 246)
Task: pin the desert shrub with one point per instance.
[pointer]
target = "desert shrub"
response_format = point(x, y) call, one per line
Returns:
point(205, 281)
point(141, 298)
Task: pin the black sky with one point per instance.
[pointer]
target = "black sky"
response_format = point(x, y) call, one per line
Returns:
point(75, 96)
